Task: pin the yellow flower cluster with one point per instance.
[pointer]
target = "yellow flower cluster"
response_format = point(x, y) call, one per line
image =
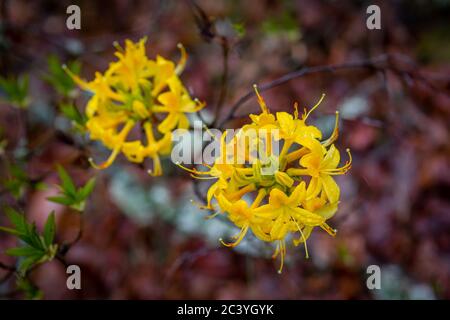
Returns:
point(134, 92)
point(291, 200)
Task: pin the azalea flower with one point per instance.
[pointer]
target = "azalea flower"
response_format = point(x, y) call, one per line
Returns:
point(132, 94)
point(284, 197)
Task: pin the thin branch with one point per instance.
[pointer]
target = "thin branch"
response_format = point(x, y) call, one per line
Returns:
point(223, 81)
point(369, 63)
point(6, 267)
point(208, 32)
point(65, 247)
point(11, 271)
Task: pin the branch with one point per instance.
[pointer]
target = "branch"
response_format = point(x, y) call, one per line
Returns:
point(65, 247)
point(369, 63)
point(224, 79)
point(208, 32)
point(381, 63)
point(11, 270)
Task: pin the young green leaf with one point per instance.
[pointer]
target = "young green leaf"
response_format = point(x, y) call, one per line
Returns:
point(24, 252)
point(58, 78)
point(67, 183)
point(37, 248)
point(15, 90)
point(49, 229)
point(71, 196)
point(87, 189)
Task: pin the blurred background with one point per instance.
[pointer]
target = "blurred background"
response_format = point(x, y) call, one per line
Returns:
point(143, 239)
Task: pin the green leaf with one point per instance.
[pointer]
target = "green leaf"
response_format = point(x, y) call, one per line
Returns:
point(27, 263)
point(239, 28)
point(33, 237)
point(67, 183)
point(16, 219)
point(71, 112)
point(58, 78)
point(24, 252)
point(15, 90)
point(10, 231)
point(30, 290)
point(49, 229)
point(61, 200)
point(85, 191)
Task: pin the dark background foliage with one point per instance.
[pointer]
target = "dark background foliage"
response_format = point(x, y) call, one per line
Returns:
point(141, 236)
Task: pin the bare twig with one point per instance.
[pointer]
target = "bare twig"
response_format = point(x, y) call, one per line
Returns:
point(208, 32)
point(11, 270)
point(380, 63)
point(224, 79)
point(65, 247)
point(6, 267)
point(369, 63)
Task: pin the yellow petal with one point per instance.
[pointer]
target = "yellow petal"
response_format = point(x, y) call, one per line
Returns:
point(169, 123)
point(330, 187)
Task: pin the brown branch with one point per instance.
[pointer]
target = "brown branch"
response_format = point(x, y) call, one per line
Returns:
point(65, 247)
point(369, 63)
point(6, 267)
point(224, 79)
point(11, 270)
point(208, 32)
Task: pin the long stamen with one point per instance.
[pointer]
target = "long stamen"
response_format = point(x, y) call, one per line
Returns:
point(210, 133)
point(282, 254)
point(157, 170)
point(261, 101)
point(239, 237)
point(344, 168)
point(303, 237)
point(122, 136)
point(313, 108)
point(335, 133)
point(182, 63)
point(328, 229)
point(296, 110)
point(80, 82)
point(203, 207)
point(193, 171)
point(202, 178)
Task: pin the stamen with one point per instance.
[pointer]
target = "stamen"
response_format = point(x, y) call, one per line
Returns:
point(194, 171)
point(80, 82)
point(182, 63)
point(117, 46)
point(344, 169)
point(239, 237)
point(261, 101)
point(282, 253)
point(296, 110)
point(202, 178)
point(210, 133)
point(335, 134)
point(328, 229)
point(303, 237)
point(313, 108)
point(122, 136)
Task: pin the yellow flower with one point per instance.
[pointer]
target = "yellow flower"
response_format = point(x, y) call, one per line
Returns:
point(321, 165)
point(129, 96)
point(276, 195)
point(176, 103)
